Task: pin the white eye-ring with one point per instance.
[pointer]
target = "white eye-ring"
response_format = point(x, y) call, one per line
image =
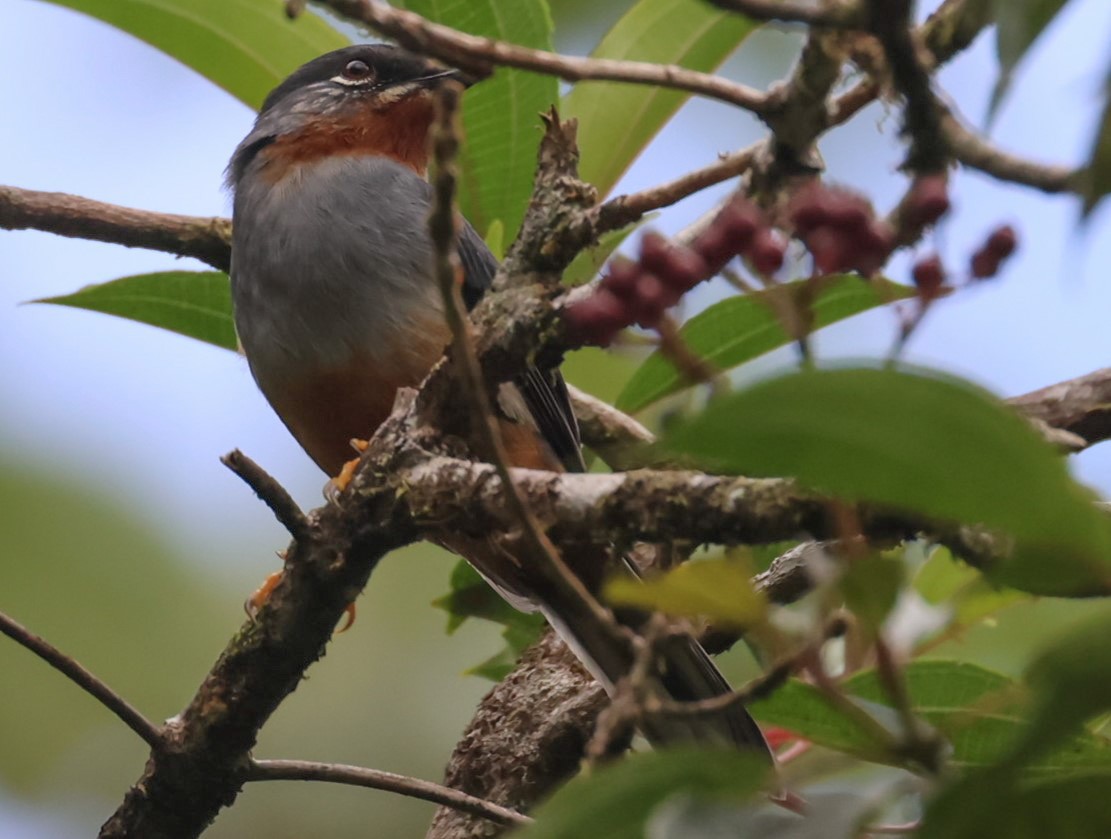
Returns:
point(355, 73)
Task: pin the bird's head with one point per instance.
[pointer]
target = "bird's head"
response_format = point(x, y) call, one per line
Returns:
point(368, 99)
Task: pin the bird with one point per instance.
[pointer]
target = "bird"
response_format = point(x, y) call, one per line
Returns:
point(336, 308)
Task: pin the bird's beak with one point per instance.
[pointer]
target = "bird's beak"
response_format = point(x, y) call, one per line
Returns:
point(450, 74)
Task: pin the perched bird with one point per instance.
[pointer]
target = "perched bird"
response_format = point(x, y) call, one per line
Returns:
point(336, 308)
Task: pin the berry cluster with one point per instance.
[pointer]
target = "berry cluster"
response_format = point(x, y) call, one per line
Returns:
point(840, 229)
point(929, 273)
point(641, 291)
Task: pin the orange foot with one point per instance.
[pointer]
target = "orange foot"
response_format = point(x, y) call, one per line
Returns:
point(340, 482)
point(257, 600)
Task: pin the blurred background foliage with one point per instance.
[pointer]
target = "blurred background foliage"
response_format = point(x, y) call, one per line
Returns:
point(129, 547)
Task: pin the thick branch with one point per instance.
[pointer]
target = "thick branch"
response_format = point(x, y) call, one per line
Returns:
point(206, 239)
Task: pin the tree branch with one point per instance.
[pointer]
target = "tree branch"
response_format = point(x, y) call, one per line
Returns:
point(976, 152)
point(270, 492)
point(337, 773)
point(85, 680)
point(481, 55)
point(206, 239)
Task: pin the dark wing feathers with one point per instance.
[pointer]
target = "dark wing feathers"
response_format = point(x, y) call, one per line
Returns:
point(544, 391)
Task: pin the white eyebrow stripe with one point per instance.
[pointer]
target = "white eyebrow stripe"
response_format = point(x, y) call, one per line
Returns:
point(352, 82)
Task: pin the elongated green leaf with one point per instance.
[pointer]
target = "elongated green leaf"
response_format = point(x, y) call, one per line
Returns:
point(923, 443)
point(245, 46)
point(719, 589)
point(615, 801)
point(616, 121)
point(1071, 678)
point(738, 329)
point(195, 304)
point(1020, 22)
point(992, 806)
point(977, 710)
point(501, 116)
point(803, 710)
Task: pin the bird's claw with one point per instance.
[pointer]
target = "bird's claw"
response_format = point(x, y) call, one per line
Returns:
point(258, 599)
point(335, 486)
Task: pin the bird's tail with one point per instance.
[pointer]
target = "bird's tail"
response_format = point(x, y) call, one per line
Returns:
point(685, 673)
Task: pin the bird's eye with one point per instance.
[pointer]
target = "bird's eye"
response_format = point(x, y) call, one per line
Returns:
point(356, 70)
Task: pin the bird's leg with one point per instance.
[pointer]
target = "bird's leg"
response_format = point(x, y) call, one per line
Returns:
point(340, 482)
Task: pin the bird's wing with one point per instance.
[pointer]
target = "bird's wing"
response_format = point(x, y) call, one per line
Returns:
point(544, 392)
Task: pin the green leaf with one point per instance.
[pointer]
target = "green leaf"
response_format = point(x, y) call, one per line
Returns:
point(616, 121)
point(919, 442)
point(501, 114)
point(470, 596)
point(870, 586)
point(719, 589)
point(247, 47)
point(1097, 181)
point(981, 713)
point(616, 800)
point(1020, 22)
point(741, 328)
point(965, 592)
point(803, 710)
point(1071, 680)
point(988, 805)
point(196, 304)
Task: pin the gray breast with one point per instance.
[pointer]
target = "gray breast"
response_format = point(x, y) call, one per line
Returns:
point(329, 262)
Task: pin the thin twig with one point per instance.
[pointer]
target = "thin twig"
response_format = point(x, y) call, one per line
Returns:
point(976, 152)
point(85, 680)
point(359, 776)
point(694, 368)
point(273, 494)
point(624, 209)
point(206, 239)
point(480, 55)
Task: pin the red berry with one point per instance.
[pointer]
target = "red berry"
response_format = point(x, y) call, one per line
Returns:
point(767, 252)
point(653, 252)
point(740, 219)
point(874, 243)
point(596, 319)
point(928, 200)
point(621, 278)
point(928, 274)
point(715, 248)
point(847, 211)
point(809, 208)
point(684, 268)
point(1002, 242)
point(984, 264)
point(831, 250)
point(653, 298)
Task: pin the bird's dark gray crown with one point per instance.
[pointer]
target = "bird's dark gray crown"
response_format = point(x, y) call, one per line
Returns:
point(391, 65)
